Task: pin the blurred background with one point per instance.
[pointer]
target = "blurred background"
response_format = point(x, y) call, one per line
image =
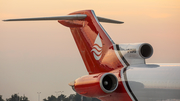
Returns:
point(41, 56)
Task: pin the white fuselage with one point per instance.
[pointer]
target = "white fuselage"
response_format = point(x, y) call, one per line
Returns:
point(152, 82)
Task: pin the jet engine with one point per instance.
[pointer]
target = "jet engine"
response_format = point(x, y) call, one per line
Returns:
point(95, 85)
point(135, 53)
point(136, 50)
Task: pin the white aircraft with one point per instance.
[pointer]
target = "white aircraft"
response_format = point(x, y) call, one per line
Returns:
point(117, 72)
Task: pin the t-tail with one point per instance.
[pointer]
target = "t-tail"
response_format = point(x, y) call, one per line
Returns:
point(93, 42)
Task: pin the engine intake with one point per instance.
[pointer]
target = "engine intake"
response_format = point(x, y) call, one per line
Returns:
point(108, 82)
point(145, 51)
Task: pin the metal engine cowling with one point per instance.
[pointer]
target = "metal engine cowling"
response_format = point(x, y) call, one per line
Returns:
point(136, 50)
point(135, 53)
point(96, 84)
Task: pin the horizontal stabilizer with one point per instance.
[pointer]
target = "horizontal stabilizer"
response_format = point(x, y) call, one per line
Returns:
point(67, 17)
point(101, 19)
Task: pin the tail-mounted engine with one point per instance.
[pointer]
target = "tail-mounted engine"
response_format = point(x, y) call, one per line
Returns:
point(96, 84)
point(136, 53)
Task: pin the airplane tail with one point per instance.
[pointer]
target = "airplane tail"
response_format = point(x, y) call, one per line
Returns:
point(92, 40)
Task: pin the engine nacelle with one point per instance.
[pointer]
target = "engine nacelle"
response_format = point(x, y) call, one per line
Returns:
point(137, 50)
point(96, 84)
point(136, 53)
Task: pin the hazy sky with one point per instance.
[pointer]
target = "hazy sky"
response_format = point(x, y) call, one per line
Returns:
point(41, 56)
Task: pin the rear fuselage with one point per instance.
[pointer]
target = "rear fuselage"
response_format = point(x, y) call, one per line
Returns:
point(152, 82)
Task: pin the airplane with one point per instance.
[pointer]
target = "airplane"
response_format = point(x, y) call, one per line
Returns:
point(117, 72)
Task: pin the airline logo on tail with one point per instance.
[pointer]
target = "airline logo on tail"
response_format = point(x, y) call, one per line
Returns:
point(97, 48)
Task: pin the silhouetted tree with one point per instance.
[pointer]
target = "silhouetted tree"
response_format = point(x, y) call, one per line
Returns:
point(77, 97)
point(62, 97)
point(72, 97)
point(24, 98)
point(51, 98)
point(1, 98)
point(15, 97)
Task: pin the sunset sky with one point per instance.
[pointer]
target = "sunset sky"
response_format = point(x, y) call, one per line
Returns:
point(41, 56)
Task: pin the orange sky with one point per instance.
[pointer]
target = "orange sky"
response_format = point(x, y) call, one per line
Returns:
point(42, 56)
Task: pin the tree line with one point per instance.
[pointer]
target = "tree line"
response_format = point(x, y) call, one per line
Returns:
point(15, 97)
point(62, 97)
